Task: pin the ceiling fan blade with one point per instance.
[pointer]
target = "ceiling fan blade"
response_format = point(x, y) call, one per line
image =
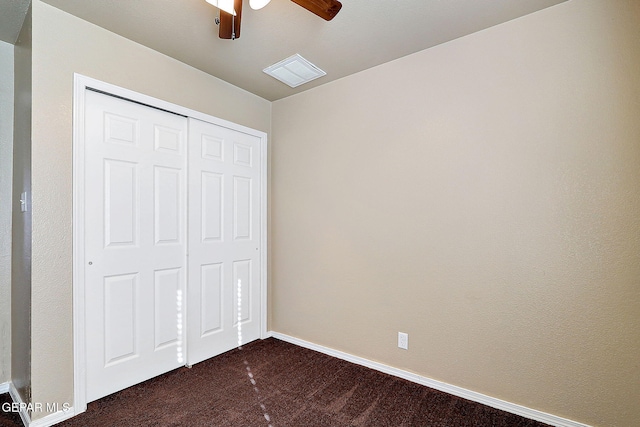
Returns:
point(325, 9)
point(229, 27)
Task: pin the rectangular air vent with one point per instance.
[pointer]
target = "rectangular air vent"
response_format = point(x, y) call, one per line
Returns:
point(294, 71)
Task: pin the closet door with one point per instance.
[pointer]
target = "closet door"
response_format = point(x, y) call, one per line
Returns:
point(135, 242)
point(224, 239)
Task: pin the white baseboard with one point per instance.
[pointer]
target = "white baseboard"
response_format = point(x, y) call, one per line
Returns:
point(45, 421)
point(54, 418)
point(15, 396)
point(503, 405)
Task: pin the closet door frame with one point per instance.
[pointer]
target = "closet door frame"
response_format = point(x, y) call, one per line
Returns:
point(81, 85)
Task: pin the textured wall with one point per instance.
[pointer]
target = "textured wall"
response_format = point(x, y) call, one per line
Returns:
point(62, 45)
point(6, 168)
point(483, 196)
point(22, 221)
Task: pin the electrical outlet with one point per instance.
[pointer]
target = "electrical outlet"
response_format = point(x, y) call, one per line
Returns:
point(403, 340)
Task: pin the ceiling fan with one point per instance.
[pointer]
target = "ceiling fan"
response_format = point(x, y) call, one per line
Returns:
point(231, 13)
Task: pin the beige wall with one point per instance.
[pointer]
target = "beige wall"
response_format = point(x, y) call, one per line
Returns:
point(484, 197)
point(21, 221)
point(6, 168)
point(62, 45)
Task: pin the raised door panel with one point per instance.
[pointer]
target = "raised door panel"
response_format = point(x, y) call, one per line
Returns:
point(211, 301)
point(121, 214)
point(167, 307)
point(168, 209)
point(122, 324)
point(212, 204)
point(242, 212)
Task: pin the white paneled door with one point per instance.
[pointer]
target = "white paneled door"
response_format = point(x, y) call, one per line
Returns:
point(224, 239)
point(135, 242)
point(156, 295)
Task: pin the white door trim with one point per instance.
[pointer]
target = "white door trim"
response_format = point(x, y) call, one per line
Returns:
point(81, 84)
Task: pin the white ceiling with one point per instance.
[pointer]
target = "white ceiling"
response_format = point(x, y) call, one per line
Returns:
point(365, 33)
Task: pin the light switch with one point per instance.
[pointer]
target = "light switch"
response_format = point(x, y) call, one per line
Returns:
point(23, 202)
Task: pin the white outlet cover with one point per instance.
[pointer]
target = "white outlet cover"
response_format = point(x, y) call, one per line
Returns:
point(403, 340)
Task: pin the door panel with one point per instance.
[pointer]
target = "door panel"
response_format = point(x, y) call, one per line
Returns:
point(168, 205)
point(242, 212)
point(212, 214)
point(135, 233)
point(121, 213)
point(242, 298)
point(224, 239)
point(168, 284)
point(211, 277)
point(120, 318)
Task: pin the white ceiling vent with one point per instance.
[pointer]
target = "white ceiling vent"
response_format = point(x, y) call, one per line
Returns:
point(294, 71)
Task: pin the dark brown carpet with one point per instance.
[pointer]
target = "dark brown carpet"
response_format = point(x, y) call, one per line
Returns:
point(274, 383)
point(8, 418)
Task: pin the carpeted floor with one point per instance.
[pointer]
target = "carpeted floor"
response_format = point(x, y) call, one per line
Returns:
point(8, 418)
point(274, 383)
